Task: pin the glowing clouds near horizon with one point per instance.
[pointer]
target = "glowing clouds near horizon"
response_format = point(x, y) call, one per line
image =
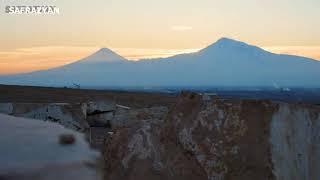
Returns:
point(306, 51)
point(41, 58)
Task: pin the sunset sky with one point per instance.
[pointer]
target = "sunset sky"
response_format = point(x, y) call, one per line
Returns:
point(152, 28)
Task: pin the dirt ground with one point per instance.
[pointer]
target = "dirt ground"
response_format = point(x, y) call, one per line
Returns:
point(28, 94)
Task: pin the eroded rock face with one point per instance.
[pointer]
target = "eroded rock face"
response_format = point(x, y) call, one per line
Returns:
point(295, 142)
point(219, 139)
point(99, 107)
point(129, 117)
point(139, 153)
point(122, 118)
point(229, 139)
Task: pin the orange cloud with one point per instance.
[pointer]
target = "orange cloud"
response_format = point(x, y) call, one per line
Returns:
point(40, 58)
point(306, 51)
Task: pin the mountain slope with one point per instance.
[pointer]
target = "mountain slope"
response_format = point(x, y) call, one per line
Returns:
point(224, 63)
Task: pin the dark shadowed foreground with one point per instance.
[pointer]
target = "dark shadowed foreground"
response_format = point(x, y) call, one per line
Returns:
point(29, 94)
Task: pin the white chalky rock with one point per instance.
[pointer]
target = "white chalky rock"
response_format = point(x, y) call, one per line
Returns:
point(31, 150)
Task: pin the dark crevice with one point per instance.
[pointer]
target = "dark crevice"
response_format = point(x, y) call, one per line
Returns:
point(96, 112)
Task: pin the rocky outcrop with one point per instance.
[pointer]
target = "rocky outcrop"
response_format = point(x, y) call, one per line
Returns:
point(200, 137)
point(36, 150)
point(97, 119)
point(126, 118)
point(295, 142)
point(81, 116)
point(100, 113)
point(71, 116)
point(129, 117)
point(216, 139)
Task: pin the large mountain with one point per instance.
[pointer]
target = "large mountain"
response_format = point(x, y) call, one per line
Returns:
point(225, 63)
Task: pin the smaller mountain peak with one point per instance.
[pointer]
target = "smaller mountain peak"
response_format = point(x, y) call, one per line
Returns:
point(103, 55)
point(105, 50)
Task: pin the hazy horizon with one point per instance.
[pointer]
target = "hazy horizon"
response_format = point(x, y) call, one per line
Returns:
point(150, 29)
point(141, 55)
